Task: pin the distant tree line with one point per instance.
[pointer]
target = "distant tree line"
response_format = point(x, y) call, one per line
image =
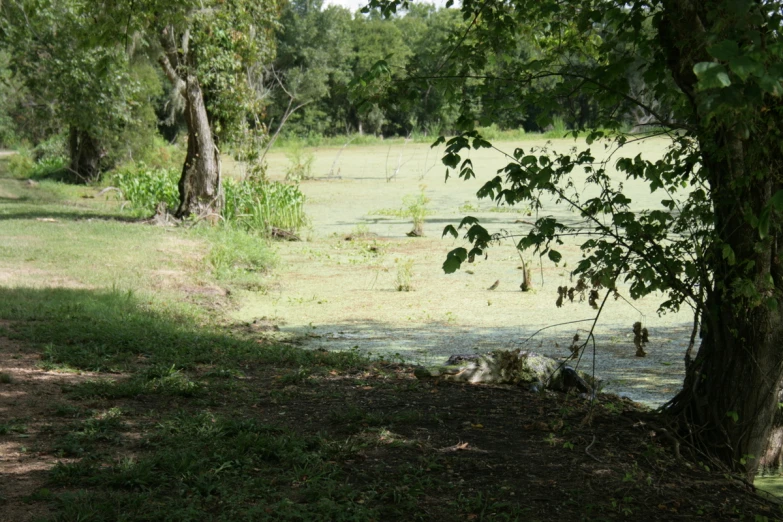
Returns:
point(91, 77)
point(98, 83)
point(325, 54)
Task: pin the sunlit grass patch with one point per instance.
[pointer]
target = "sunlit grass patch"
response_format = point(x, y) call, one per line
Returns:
point(118, 331)
point(772, 485)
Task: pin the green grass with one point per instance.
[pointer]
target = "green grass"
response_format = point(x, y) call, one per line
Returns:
point(189, 418)
point(772, 485)
point(233, 469)
point(118, 331)
point(298, 142)
point(187, 463)
point(55, 232)
point(113, 313)
point(492, 133)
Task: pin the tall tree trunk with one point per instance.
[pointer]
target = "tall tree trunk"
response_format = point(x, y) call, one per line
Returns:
point(729, 396)
point(772, 459)
point(86, 154)
point(200, 190)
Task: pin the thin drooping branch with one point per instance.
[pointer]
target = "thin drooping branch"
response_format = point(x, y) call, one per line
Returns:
point(664, 271)
point(289, 111)
point(171, 74)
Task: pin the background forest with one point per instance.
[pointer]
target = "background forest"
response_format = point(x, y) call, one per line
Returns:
point(311, 84)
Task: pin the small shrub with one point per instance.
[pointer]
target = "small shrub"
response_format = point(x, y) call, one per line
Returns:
point(163, 155)
point(254, 204)
point(21, 164)
point(52, 148)
point(47, 166)
point(404, 275)
point(301, 164)
point(6, 378)
point(414, 206)
point(262, 206)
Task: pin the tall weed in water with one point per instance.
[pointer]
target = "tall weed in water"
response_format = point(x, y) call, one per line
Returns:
point(301, 164)
point(414, 206)
point(262, 205)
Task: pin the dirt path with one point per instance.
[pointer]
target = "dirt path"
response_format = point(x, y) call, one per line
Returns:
point(31, 406)
point(341, 294)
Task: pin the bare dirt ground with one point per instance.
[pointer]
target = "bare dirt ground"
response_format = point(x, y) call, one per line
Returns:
point(29, 397)
point(341, 293)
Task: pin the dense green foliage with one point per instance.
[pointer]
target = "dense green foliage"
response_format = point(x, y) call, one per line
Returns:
point(705, 74)
point(71, 85)
point(327, 62)
point(321, 82)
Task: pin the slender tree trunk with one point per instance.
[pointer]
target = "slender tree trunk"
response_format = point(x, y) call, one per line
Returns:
point(200, 189)
point(86, 154)
point(772, 459)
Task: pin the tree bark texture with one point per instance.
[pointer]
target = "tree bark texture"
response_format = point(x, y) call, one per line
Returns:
point(86, 154)
point(730, 394)
point(200, 189)
point(771, 461)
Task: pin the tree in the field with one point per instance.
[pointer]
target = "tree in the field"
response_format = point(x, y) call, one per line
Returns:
point(97, 93)
point(711, 80)
point(205, 48)
point(376, 39)
point(434, 109)
point(12, 94)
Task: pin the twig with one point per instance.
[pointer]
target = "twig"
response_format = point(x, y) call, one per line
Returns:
point(552, 326)
point(334, 163)
point(107, 189)
point(587, 451)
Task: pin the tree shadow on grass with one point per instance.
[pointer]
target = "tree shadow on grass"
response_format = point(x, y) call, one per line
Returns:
point(113, 331)
point(66, 215)
point(26, 207)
